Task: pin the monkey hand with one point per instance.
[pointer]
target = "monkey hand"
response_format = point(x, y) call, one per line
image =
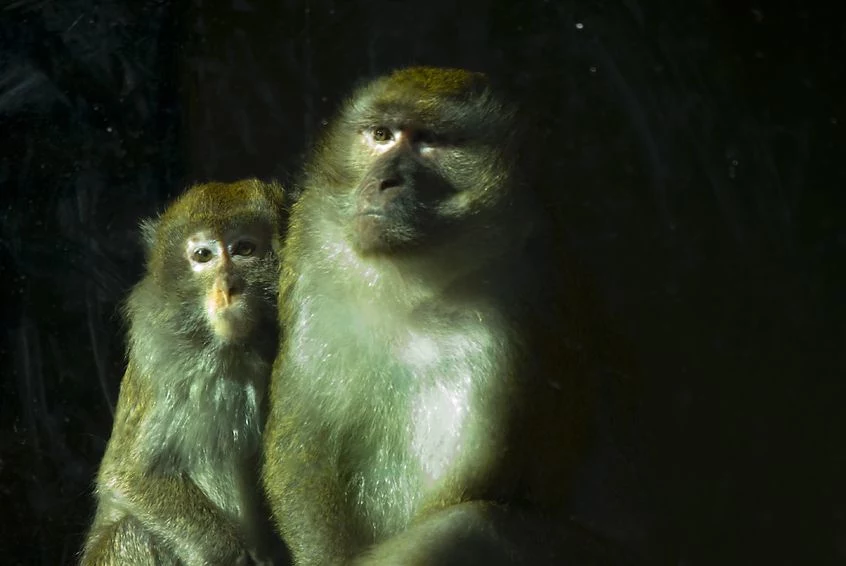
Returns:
point(257, 559)
point(459, 536)
point(247, 558)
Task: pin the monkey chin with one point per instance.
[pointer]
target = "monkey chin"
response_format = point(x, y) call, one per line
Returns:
point(375, 233)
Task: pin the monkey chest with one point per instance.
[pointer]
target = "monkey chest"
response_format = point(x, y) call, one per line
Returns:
point(433, 429)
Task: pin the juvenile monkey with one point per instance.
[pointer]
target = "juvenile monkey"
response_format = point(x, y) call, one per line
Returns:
point(434, 382)
point(179, 481)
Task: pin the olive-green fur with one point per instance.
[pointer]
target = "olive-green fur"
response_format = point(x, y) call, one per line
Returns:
point(423, 390)
point(177, 484)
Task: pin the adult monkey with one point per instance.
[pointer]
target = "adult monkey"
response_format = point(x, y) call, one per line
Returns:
point(430, 398)
point(178, 483)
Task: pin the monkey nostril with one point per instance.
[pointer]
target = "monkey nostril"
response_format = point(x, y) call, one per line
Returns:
point(234, 288)
point(389, 184)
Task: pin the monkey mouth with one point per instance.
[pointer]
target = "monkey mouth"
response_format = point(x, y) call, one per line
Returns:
point(230, 320)
point(372, 213)
point(371, 230)
point(231, 324)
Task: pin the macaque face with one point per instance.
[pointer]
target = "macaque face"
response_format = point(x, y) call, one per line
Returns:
point(222, 265)
point(397, 199)
point(413, 174)
point(212, 260)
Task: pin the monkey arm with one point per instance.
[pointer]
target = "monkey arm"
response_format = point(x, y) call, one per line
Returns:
point(302, 472)
point(480, 532)
point(167, 504)
point(178, 513)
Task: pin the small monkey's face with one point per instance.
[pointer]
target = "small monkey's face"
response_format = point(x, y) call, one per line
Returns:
point(213, 261)
point(222, 266)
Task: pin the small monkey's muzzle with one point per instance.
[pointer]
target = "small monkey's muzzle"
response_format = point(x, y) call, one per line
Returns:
point(226, 307)
point(225, 290)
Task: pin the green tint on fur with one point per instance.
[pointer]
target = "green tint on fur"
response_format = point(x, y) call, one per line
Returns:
point(214, 197)
point(428, 94)
point(248, 198)
point(437, 81)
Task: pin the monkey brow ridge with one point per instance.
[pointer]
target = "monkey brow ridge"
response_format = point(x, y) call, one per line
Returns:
point(438, 80)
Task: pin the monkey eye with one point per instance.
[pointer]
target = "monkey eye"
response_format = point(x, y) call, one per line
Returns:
point(244, 248)
point(382, 134)
point(201, 255)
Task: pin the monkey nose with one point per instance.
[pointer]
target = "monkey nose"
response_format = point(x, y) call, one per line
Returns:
point(226, 291)
point(221, 298)
point(233, 289)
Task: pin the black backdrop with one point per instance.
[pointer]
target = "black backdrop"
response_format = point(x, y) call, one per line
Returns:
point(700, 151)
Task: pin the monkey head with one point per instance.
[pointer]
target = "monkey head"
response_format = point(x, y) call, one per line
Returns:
point(418, 161)
point(212, 256)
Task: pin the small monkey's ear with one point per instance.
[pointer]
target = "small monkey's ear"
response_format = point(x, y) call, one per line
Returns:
point(148, 228)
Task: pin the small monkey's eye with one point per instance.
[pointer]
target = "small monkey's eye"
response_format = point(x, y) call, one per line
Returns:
point(201, 255)
point(382, 134)
point(244, 247)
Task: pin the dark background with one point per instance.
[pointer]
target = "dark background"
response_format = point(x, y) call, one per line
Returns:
point(699, 148)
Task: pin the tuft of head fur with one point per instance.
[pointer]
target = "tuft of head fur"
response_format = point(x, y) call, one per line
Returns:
point(214, 206)
point(435, 82)
point(445, 98)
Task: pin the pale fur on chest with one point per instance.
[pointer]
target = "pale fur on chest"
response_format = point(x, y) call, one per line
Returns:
point(206, 419)
point(396, 389)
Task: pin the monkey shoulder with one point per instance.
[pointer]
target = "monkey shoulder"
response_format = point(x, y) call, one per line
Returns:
point(133, 406)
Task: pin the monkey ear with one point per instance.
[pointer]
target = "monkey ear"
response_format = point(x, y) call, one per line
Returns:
point(148, 228)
